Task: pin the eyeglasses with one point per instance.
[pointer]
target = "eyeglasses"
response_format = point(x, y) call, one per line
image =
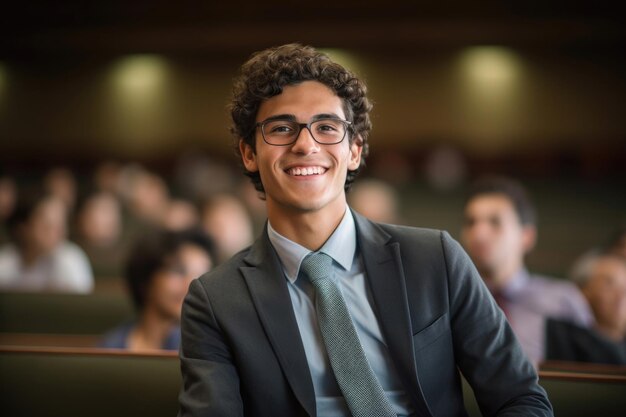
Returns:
point(281, 132)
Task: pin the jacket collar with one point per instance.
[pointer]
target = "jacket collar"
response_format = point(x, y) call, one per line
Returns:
point(385, 276)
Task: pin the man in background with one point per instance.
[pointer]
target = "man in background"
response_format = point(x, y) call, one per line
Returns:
point(499, 229)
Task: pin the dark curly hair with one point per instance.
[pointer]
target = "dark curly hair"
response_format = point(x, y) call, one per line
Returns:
point(265, 75)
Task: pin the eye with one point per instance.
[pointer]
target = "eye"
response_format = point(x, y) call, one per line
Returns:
point(279, 127)
point(495, 221)
point(328, 126)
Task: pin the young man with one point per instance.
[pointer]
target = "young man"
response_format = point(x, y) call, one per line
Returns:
point(327, 313)
point(498, 231)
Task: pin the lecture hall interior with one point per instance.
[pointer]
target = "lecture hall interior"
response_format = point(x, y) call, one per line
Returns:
point(120, 110)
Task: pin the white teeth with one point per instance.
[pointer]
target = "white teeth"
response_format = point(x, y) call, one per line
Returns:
point(306, 171)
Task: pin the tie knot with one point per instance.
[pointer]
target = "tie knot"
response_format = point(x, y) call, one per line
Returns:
point(317, 266)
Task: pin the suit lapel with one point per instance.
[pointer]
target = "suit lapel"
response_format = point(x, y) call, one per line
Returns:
point(385, 276)
point(270, 296)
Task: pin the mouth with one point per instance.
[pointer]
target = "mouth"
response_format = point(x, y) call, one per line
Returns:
point(306, 171)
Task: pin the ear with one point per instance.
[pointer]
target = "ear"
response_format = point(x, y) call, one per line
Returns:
point(248, 156)
point(529, 237)
point(356, 147)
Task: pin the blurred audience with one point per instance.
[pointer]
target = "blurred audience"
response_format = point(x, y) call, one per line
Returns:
point(499, 229)
point(375, 199)
point(8, 196)
point(148, 197)
point(61, 182)
point(225, 218)
point(180, 214)
point(159, 270)
point(39, 257)
point(99, 232)
point(106, 177)
point(602, 278)
point(255, 204)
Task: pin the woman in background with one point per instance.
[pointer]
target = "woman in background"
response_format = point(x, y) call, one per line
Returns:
point(158, 273)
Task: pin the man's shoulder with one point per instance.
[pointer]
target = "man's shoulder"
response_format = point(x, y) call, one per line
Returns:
point(225, 273)
point(411, 233)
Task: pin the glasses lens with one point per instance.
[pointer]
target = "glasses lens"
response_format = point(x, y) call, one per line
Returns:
point(280, 132)
point(328, 131)
point(285, 132)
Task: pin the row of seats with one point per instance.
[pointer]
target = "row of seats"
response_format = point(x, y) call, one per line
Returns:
point(62, 313)
point(78, 382)
point(50, 381)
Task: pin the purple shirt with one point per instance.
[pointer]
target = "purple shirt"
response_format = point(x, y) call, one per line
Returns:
point(529, 299)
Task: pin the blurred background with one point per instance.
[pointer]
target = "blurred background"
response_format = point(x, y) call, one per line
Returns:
point(535, 90)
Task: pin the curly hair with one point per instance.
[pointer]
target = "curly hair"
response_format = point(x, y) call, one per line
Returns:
point(265, 75)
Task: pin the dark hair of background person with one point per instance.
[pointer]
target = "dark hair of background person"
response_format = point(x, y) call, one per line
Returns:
point(152, 252)
point(265, 75)
point(616, 242)
point(28, 200)
point(509, 188)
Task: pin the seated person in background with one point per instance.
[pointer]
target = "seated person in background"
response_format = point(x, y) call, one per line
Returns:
point(226, 219)
point(602, 278)
point(498, 231)
point(180, 214)
point(158, 273)
point(39, 258)
point(99, 232)
point(375, 199)
point(8, 195)
point(61, 182)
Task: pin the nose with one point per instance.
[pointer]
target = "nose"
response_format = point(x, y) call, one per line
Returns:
point(305, 144)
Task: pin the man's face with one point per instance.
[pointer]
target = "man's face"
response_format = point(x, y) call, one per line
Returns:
point(493, 235)
point(304, 176)
point(606, 292)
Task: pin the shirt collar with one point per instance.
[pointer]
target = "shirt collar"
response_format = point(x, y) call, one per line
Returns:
point(341, 246)
point(517, 283)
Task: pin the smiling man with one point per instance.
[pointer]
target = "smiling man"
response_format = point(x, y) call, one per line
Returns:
point(328, 313)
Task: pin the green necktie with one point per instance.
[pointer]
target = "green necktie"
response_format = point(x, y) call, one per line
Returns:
point(363, 393)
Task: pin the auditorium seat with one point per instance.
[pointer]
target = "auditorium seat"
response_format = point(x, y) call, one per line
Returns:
point(87, 382)
point(62, 313)
point(49, 382)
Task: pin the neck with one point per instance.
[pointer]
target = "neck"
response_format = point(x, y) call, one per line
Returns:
point(152, 329)
point(497, 280)
point(310, 229)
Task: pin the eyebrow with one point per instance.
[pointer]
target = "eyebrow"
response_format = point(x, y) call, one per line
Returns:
point(292, 117)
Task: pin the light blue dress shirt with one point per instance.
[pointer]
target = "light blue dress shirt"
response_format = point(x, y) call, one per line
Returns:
point(349, 274)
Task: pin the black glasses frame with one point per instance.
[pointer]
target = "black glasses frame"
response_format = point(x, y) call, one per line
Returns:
point(301, 126)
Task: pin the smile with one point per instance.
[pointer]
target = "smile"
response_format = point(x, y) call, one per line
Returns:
point(305, 171)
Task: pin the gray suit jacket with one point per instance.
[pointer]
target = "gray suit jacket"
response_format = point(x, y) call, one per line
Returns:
point(241, 352)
